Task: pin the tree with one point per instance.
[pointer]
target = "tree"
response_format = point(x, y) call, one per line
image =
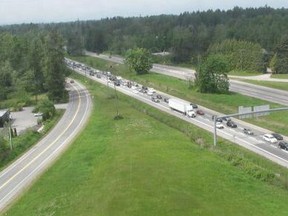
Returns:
point(47, 108)
point(212, 76)
point(281, 61)
point(75, 44)
point(6, 80)
point(242, 55)
point(139, 60)
point(55, 68)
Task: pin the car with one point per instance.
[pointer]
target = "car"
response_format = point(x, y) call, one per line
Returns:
point(195, 106)
point(155, 99)
point(166, 100)
point(159, 96)
point(219, 125)
point(269, 138)
point(277, 136)
point(38, 114)
point(200, 112)
point(71, 81)
point(283, 145)
point(217, 119)
point(231, 124)
point(226, 119)
point(247, 131)
point(150, 91)
point(117, 83)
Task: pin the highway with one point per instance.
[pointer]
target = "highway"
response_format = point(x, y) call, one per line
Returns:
point(254, 143)
point(20, 174)
point(256, 91)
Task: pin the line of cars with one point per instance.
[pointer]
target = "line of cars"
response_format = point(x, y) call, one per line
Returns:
point(273, 138)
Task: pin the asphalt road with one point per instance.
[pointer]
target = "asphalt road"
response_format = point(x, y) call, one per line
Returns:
point(254, 143)
point(20, 174)
point(256, 91)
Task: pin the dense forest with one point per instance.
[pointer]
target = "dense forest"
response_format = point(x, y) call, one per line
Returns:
point(251, 39)
point(186, 36)
point(31, 64)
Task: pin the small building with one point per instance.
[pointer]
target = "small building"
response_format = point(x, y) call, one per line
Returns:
point(4, 117)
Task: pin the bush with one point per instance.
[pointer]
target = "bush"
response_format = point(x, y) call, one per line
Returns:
point(47, 108)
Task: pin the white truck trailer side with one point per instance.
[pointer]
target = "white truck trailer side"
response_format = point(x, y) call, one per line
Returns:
point(181, 106)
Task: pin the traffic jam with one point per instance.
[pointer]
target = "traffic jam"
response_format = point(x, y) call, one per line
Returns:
point(184, 108)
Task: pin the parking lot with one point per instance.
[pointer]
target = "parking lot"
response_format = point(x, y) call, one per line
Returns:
point(25, 119)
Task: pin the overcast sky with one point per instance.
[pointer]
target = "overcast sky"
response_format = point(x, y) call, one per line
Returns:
point(27, 11)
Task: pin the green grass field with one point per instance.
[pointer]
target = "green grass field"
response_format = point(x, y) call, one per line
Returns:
point(140, 166)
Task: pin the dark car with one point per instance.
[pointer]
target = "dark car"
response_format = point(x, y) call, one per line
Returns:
point(248, 131)
point(231, 124)
point(159, 96)
point(226, 119)
point(155, 99)
point(195, 106)
point(217, 119)
point(277, 136)
point(283, 145)
point(200, 112)
point(166, 100)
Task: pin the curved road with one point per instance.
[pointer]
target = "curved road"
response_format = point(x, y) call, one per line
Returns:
point(20, 174)
point(256, 91)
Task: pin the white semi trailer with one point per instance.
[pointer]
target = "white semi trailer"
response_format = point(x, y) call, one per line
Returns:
point(181, 106)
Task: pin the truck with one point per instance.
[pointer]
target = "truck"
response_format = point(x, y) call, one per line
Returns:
point(182, 107)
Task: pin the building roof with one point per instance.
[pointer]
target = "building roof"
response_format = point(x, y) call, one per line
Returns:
point(3, 112)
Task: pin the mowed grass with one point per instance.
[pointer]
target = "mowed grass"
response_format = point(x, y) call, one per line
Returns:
point(139, 166)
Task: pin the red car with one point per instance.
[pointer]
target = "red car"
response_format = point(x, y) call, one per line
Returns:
point(200, 112)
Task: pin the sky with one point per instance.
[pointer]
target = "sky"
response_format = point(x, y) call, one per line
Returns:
point(46, 11)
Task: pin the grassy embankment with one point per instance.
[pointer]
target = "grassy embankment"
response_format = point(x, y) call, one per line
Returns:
point(151, 163)
point(227, 104)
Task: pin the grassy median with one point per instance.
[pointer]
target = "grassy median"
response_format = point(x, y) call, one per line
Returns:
point(148, 163)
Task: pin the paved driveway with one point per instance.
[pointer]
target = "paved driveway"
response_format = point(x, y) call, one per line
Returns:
point(25, 119)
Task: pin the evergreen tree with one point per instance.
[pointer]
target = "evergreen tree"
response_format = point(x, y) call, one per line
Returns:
point(281, 63)
point(55, 70)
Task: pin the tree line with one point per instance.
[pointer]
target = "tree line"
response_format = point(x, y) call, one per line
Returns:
point(31, 64)
point(252, 39)
point(187, 36)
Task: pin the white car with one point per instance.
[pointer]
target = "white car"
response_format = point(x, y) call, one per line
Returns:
point(219, 125)
point(269, 138)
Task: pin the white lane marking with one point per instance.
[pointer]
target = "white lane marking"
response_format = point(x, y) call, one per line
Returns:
point(52, 154)
point(51, 144)
point(235, 137)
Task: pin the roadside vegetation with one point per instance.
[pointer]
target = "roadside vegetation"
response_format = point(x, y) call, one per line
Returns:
point(224, 103)
point(25, 141)
point(151, 163)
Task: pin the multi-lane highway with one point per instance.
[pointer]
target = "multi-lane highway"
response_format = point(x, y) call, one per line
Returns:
point(252, 142)
point(20, 174)
point(256, 91)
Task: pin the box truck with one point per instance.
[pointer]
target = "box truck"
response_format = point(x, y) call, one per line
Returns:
point(182, 107)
